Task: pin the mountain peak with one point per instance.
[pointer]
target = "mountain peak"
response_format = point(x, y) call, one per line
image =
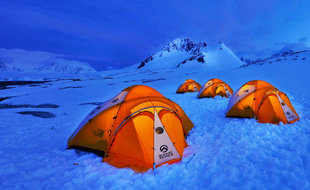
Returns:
point(185, 44)
point(185, 52)
point(179, 45)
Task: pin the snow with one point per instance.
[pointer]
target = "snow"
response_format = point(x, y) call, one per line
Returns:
point(294, 47)
point(223, 153)
point(22, 59)
point(221, 57)
point(184, 53)
point(27, 62)
point(167, 60)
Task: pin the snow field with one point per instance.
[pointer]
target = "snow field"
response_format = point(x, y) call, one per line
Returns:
point(223, 153)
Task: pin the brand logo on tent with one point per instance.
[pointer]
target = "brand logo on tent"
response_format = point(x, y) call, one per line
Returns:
point(165, 153)
point(163, 148)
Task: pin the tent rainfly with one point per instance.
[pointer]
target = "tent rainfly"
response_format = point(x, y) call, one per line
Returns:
point(138, 128)
point(262, 101)
point(215, 87)
point(189, 86)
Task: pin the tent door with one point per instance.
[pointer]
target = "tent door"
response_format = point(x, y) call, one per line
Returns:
point(195, 89)
point(164, 150)
point(227, 91)
point(289, 114)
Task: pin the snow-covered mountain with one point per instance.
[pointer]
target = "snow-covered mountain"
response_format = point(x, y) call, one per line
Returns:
point(184, 53)
point(271, 56)
point(65, 66)
point(295, 47)
point(286, 54)
point(34, 61)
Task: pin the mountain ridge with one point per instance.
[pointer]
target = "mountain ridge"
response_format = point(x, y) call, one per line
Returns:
point(181, 52)
point(31, 61)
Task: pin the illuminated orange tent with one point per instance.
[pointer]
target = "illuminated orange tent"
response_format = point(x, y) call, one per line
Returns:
point(215, 87)
point(189, 86)
point(262, 101)
point(138, 128)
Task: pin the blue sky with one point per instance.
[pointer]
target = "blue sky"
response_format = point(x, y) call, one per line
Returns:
point(122, 32)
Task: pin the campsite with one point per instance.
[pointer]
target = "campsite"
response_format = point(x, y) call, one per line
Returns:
point(221, 152)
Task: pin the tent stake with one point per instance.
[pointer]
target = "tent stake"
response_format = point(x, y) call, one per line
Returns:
point(191, 158)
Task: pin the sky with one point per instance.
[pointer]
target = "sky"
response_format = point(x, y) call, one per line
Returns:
point(119, 33)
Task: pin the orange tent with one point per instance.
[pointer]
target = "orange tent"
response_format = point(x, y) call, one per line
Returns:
point(138, 128)
point(213, 88)
point(189, 86)
point(262, 101)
